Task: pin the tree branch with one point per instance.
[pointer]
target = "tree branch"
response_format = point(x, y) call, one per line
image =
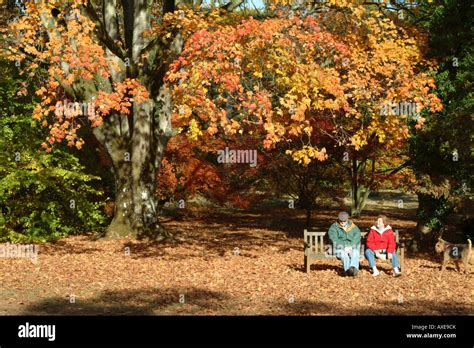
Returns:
point(102, 33)
point(232, 5)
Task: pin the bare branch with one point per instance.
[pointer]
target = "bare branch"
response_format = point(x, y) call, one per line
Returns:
point(232, 5)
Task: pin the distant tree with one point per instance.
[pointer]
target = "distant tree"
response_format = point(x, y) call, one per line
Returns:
point(441, 153)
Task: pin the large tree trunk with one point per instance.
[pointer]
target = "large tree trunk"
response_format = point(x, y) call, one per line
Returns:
point(135, 162)
point(135, 207)
point(136, 142)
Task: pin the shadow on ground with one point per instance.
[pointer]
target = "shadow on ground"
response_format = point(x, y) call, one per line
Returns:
point(317, 267)
point(150, 301)
point(203, 302)
point(64, 247)
point(416, 307)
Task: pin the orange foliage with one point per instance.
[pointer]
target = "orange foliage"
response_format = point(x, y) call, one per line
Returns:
point(71, 55)
point(272, 76)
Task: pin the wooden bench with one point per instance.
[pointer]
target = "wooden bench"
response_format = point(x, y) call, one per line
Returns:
point(314, 248)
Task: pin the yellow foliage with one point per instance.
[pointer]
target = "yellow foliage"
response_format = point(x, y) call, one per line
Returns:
point(305, 155)
point(194, 132)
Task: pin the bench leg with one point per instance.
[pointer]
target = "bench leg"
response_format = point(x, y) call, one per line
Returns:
point(402, 259)
point(307, 263)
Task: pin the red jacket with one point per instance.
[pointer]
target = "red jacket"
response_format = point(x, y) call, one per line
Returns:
point(385, 239)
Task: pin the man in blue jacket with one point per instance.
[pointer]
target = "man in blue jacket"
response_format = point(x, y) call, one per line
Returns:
point(345, 238)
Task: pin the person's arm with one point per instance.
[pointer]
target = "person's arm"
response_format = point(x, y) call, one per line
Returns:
point(371, 240)
point(391, 243)
point(333, 236)
point(357, 237)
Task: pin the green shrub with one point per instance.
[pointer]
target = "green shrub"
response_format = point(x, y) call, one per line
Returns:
point(42, 196)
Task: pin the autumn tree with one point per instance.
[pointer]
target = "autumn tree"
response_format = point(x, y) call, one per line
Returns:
point(111, 56)
point(231, 76)
point(276, 77)
point(43, 196)
point(394, 86)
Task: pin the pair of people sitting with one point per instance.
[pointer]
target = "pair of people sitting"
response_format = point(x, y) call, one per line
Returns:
point(345, 236)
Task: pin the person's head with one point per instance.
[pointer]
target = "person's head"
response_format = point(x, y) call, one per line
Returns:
point(381, 221)
point(342, 218)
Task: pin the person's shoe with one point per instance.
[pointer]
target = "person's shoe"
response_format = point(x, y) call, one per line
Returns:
point(354, 271)
point(396, 272)
point(350, 272)
point(376, 272)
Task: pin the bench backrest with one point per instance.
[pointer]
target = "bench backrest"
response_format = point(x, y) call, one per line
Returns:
point(314, 243)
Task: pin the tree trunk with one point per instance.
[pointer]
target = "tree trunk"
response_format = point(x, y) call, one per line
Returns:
point(135, 212)
point(359, 197)
point(359, 204)
point(355, 190)
point(309, 211)
point(136, 159)
point(135, 206)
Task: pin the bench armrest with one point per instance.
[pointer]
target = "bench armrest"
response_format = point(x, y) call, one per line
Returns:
point(400, 245)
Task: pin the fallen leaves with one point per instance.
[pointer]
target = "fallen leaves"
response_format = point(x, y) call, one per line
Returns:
point(265, 278)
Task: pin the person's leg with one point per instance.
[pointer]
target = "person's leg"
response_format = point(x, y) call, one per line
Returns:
point(355, 256)
point(342, 255)
point(396, 271)
point(370, 255)
point(394, 260)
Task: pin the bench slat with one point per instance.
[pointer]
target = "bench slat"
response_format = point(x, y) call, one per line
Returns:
point(315, 243)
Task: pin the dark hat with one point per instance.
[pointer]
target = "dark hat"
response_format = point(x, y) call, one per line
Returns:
point(343, 216)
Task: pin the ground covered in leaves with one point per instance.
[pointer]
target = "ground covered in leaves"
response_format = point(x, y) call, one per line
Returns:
point(240, 263)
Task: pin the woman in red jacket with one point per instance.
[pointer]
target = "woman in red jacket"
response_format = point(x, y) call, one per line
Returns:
point(381, 240)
